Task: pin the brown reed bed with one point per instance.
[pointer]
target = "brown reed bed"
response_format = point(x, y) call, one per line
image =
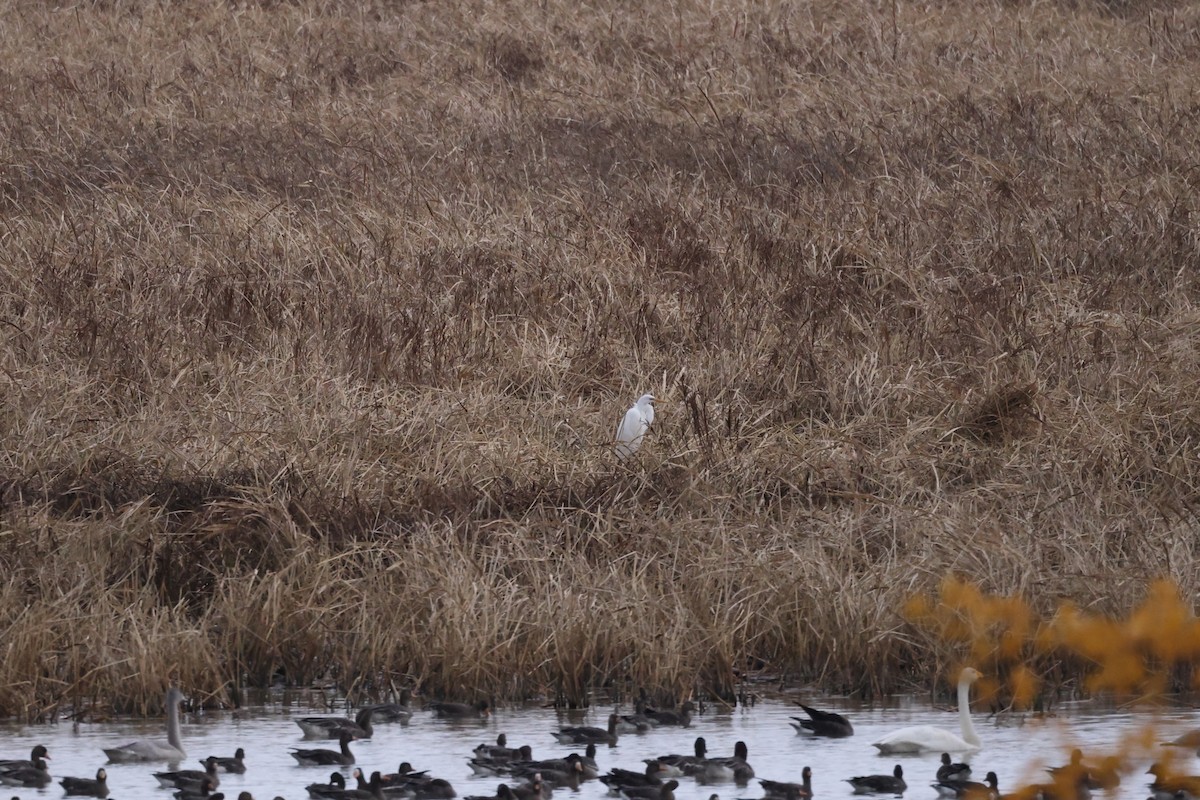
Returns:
point(315, 324)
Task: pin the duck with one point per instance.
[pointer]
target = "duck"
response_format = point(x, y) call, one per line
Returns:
point(364, 789)
point(325, 758)
point(619, 778)
point(880, 784)
point(636, 722)
point(780, 790)
point(675, 763)
point(155, 749)
point(585, 764)
point(1105, 776)
point(34, 776)
point(394, 712)
point(404, 776)
point(970, 790)
point(235, 764)
point(180, 779)
point(501, 764)
point(681, 718)
point(951, 772)
point(713, 770)
point(331, 727)
point(503, 792)
point(664, 792)
point(325, 791)
point(586, 734)
point(822, 723)
point(569, 778)
point(434, 789)
point(38, 751)
point(1190, 739)
point(1168, 785)
point(87, 787)
point(929, 738)
point(201, 791)
point(533, 789)
point(500, 751)
point(444, 710)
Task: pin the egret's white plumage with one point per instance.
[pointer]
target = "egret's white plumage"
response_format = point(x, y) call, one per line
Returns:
point(929, 738)
point(634, 425)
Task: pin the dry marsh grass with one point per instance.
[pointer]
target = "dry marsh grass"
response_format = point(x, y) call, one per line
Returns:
point(316, 322)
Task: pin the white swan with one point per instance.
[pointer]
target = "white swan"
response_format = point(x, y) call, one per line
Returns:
point(154, 750)
point(929, 738)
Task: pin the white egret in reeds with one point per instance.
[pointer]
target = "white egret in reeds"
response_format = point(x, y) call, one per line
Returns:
point(633, 426)
point(930, 738)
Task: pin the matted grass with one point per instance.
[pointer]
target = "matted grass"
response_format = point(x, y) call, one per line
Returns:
point(316, 323)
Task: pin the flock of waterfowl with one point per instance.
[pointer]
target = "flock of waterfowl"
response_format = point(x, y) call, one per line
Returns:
point(524, 778)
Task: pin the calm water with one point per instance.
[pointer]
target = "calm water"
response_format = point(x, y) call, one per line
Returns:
point(443, 747)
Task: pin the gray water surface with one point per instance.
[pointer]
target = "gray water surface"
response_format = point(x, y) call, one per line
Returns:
point(1017, 753)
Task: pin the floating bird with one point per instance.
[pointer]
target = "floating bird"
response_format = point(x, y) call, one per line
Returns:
point(500, 763)
point(190, 778)
point(503, 792)
point(619, 778)
point(1167, 785)
point(87, 787)
point(633, 427)
point(951, 772)
point(585, 765)
point(38, 751)
point(333, 789)
point(202, 791)
point(405, 776)
point(1104, 776)
point(394, 712)
point(823, 723)
point(235, 763)
point(1190, 739)
point(435, 789)
point(681, 718)
point(460, 710)
point(331, 727)
point(677, 764)
point(155, 749)
point(880, 784)
point(970, 790)
point(34, 776)
point(929, 738)
point(779, 790)
point(533, 789)
point(500, 751)
point(735, 768)
point(585, 734)
point(664, 792)
point(326, 758)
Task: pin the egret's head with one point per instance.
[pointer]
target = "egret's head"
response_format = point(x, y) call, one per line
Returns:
point(646, 400)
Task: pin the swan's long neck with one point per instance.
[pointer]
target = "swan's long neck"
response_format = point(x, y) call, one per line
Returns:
point(964, 713)
point(174, 736)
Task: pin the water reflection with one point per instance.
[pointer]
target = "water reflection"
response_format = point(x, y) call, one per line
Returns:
point(1015, 752)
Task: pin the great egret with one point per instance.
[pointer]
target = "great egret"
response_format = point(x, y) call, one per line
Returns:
point(633, 427)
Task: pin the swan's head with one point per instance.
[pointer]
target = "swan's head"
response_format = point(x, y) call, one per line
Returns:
point(969, 675)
